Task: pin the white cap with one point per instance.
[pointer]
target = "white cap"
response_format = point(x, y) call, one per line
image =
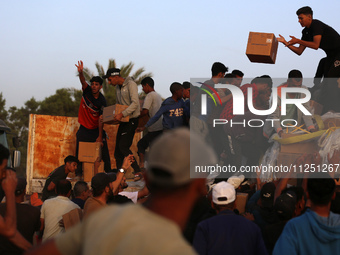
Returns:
point(223, 193)
point(236, 180)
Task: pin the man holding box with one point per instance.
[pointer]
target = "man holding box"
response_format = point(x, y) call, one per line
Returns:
point(90, 110)
point(126, 94)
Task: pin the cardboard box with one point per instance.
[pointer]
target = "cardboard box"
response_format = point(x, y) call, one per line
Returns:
point(110, 111)
point(89, 152)
point(286, 159)
point(88, 170)
point(241, 201)
point(301, 147)
point(262, 47)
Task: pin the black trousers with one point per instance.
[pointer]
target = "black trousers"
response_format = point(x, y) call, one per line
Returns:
point(145, 142)
point(91, 135)
point(125, 134)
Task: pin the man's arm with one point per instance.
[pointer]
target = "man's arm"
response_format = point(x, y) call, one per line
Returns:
point(126, 164)
point(80, 68)
point(296, 50)
point(48, 247)
point(51, 186)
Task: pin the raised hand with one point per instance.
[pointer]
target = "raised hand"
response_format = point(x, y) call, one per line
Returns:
point(80, 66)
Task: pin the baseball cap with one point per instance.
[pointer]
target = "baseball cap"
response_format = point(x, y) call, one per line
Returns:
point(170, 156)
point(101, 180)
point(223, 193)
point(285, 205)
point(112, 72)
point(267, 194)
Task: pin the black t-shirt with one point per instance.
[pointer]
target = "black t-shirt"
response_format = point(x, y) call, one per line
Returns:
point(28, 221)
point(330, 39)
point(55, 176)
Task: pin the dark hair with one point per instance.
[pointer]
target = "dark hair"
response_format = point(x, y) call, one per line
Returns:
point(238, 73)
point(4, 153)
point(63, 187)
point(295, 74)
point(96, 192)
point(79, 188)
point(229, 206)
point(175, 86)
point(305, 10)
point(263, 79)
point(71, 159)
point(217, 68)
point(97, 79)
point(149, 81)
point(321, 189)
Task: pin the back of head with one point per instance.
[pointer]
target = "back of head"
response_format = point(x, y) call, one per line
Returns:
point(4, 153)
point(70, 159)
point(175, 86)
point(21, 186)
point(170, 157)
point(321, 189)
point(223, 196)
point(217, 68)
point(63, 187)
point(100, 181)
point(264, 79)
point(306, 10)
point(149, 81)
point(238, 73)
point(267, 195)
point(285, 205)
point(79, 188)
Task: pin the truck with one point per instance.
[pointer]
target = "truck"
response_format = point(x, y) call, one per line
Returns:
point(14, 159)
point(51, 139)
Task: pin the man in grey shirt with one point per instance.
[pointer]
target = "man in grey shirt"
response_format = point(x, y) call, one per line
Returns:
point(152, 103)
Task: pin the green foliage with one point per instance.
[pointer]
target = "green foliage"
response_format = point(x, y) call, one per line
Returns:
point(3, 112)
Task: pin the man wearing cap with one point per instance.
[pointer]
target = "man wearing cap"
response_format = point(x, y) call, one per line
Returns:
point(156, 227)
point(28, 219)
point(103, 186)
point(53, 209)
point(126, 94)
point(227, 233)
point(90, 110)
point(60, 173)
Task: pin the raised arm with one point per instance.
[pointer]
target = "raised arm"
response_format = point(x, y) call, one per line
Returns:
point(80, 68)
point(290, 45)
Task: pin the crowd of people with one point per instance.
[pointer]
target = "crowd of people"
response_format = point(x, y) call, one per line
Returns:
point(175, 213)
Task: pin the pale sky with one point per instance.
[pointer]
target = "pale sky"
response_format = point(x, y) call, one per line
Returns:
point(175, 40)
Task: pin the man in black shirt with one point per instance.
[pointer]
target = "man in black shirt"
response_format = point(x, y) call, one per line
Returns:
point(315, 35)
point(58, 174)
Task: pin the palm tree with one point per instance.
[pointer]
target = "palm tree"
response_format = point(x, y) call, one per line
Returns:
point(125, 71)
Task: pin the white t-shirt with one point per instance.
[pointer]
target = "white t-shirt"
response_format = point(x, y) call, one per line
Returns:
point(52, 212)
point(127, 229)
point(153, 102)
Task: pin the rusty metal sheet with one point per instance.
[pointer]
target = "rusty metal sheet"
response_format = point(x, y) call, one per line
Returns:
point(52, 138)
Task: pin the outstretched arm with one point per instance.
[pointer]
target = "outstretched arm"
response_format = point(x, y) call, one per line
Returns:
point(290, 45)
point(80, 68)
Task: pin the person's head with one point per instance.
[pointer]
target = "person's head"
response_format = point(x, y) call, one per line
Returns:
point(305, 16)
point(102, 182)
point(285, 205)
point(186, 89)
point(113, 76)
point(263, 98)
point(176, 90)
point(81, 190)
point(148, 85)
point(239, 77)
point(71, 163)
point(223, 196)
point(300, 198)
point(96, 84)
point(20, 190)
point(168, 170)
point(4, 155)
point(63, 188)
point(263, 82)
point(122, 185)
point(321, 190)
point(294, 79)
point(267, 195)
point(229, 78)
point(218, 70)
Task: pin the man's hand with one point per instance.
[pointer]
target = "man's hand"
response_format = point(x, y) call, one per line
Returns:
point(281, 39)
point(292, 41)
point(140, 129)
point(128, 161)
point(80, 66)
point(118, 117)
point(9, 184)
